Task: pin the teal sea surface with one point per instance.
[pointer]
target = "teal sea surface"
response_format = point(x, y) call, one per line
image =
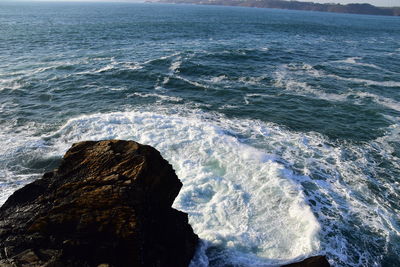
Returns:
point(284, 126)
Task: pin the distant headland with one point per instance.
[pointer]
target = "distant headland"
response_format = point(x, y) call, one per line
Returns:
point(365, 9)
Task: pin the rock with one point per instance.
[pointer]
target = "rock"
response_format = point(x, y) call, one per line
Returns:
point(316, 261)
point(108, 204)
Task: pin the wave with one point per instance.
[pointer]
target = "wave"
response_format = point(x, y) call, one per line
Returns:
point(194, 83)
point(163, 97)
point(7, 187)
point(218, 79)
point(365, 81)
point(114, 64)
point(252, 80)
point(383, 101)
point(309, 70)
point(356, 61)
point(225, 207)
point(248, 97)
point(175, 65)
point(11, 84)
point(256, 193)
point(286, 80)
point(104, 69)
point(150, 61)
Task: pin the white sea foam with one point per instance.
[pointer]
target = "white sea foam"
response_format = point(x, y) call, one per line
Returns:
point(311, 71)
point(350, 60)
point(8, 186)
point(173, 71)
point(365, 81)
point(284, 79)
point(163, 97)
point(161, 58)
point(384, 101)
point(218, 79)
point(248, 201)
point(252, 80)
point(116, 65)
point(248, 97)
point(175, 65)
point(122, 88)
point(132, 66)
point(226, 182)
point(256, 95)
point(194, 83)
point(106, 68)
point(356, 61)
point(10, 83)
point(166, 80)
point(31, 70)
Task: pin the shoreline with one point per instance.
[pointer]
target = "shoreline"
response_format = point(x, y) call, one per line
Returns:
point(356, 9)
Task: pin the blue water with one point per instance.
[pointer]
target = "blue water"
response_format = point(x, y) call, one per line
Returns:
point(283, 125)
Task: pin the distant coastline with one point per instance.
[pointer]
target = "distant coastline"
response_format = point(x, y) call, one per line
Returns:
point(364, 9)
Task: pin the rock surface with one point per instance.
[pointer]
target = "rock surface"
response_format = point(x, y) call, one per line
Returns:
point(108, 204)
point(316, 261)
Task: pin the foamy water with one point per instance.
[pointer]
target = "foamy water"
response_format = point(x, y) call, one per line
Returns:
point(252, 199)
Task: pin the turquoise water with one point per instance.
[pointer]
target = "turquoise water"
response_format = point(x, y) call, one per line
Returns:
point(282, 125)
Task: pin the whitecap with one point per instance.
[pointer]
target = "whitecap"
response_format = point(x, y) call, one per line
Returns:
point(384, 101)
point(252, 80)
point(10, 83)
point(289, 84)
point(218, 79)
point(106, 68)
point(163, 97)
point(160, 58)
point(284, 79)
point(175, 65)
point(365, 81)
point(356, 61)
point(194, 83)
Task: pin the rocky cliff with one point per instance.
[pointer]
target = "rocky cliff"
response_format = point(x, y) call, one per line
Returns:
point(108, 204)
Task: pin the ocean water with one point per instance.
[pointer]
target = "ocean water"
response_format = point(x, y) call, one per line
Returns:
point(284, 126)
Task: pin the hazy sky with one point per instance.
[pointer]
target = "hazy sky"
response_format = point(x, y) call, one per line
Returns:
point(373, 2)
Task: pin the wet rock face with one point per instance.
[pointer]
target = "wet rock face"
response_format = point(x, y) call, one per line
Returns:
point(108, 204)
point(316, 261)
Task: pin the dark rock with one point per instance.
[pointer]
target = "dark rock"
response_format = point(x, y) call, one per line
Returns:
point(108, 204)
point(316, 261)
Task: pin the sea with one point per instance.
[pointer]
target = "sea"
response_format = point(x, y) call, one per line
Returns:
point(284, 126)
